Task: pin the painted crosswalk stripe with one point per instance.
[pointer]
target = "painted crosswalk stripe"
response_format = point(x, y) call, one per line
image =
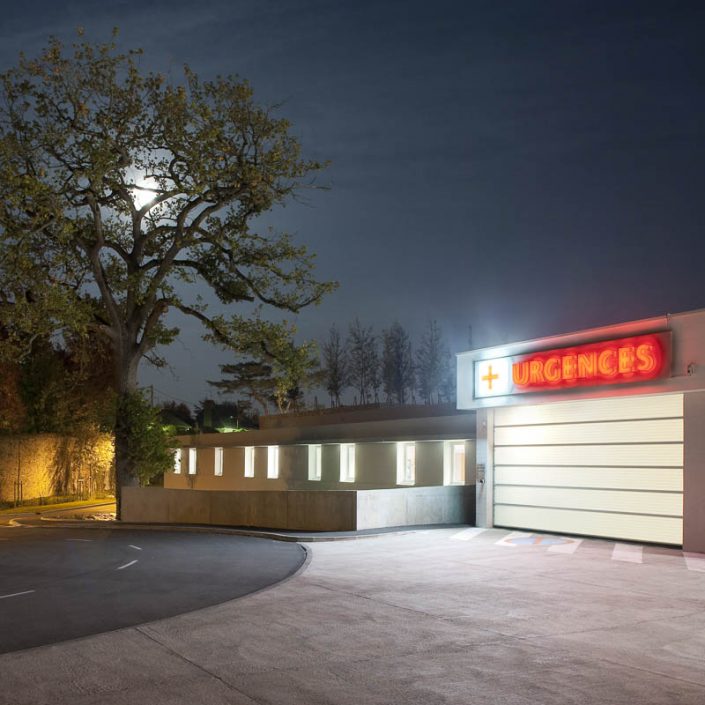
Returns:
point(507, 540)
point(570, 546)
point(627, 552)
point(695, 561)
point(467, 534)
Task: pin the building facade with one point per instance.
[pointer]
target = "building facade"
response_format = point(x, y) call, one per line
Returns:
point(599, 432)
point(347, 449)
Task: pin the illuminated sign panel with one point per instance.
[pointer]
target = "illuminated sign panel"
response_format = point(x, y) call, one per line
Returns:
point(625, 360)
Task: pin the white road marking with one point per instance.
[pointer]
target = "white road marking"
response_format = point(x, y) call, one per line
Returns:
point(627, 552)
point(127, 565)
point(15, 594)
point(137, 548)
point(506, 541)
point(570, 547)
point(83, 540)
point(467, 534)
point(695, 561)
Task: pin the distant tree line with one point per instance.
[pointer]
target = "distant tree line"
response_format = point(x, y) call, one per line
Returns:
point(387, 367)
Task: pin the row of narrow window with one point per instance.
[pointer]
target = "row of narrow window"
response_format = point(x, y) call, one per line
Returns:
point(454, 462)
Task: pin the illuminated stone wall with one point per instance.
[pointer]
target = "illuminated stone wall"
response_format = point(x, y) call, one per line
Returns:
point(46, 465)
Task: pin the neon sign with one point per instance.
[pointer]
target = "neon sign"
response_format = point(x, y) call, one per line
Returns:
point(624, 360)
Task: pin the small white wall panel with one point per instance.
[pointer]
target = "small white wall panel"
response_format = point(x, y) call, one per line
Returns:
point(605, 467)
point(636, 407)
point(661, 503)
point(653, 455)
point(663, 479)
point(630, 527)
point(651, 431)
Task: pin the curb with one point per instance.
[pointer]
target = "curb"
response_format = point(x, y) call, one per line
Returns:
point(56, 523)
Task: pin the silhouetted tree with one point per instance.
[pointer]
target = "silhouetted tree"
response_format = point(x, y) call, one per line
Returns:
point(397, 364)
point(335, 366)
point(363, 360)
point(431, 364)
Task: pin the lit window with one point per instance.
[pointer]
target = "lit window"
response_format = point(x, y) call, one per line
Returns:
point(249, 461)
point(218, 463)
point(177, 461)
point(406, 463)
point(192, 461)
point(272, 462)
point(454, 463)
point(314, 462)
point(347, 462)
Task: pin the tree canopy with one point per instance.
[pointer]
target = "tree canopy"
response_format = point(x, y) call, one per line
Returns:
point(120, 189)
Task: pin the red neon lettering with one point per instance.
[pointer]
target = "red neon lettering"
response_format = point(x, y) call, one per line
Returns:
point(627, 360)
point(520, 373)
point(587, 365)
point(606, 363)
point(535, 372)
point(648, 356)
point(569, 365)
point(552, 369)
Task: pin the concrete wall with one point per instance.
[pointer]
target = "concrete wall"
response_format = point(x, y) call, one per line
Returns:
point(694, 472)
point(301, 510)
point(415, 506)
point(49, 464)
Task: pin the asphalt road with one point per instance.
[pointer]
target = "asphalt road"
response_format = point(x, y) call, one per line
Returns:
point(59, 584)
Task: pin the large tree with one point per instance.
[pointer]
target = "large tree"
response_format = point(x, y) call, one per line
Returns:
point(119, 191)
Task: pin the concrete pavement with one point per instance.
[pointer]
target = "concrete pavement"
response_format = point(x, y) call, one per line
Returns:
point(444, 616)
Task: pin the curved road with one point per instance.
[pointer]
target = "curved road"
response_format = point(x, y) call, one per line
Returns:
point(58, 584)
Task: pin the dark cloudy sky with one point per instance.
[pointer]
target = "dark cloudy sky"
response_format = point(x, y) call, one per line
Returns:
point(524, 167)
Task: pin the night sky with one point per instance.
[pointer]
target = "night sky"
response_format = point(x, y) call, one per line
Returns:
point(526, 168)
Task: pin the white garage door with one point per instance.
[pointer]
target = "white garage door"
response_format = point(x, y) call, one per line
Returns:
point(606, 467)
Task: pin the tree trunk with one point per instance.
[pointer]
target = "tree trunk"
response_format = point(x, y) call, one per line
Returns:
point(126, 384)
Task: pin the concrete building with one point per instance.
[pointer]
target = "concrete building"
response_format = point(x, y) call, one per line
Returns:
point(599, 432)
point(341, 469)
point(347, 449)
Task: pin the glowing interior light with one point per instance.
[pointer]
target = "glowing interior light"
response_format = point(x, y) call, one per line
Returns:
point(249, 461)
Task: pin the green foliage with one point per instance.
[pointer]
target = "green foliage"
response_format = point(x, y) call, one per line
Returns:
point(272, 366)
point(225, 416)
point(118, 186)
point(149, 448)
